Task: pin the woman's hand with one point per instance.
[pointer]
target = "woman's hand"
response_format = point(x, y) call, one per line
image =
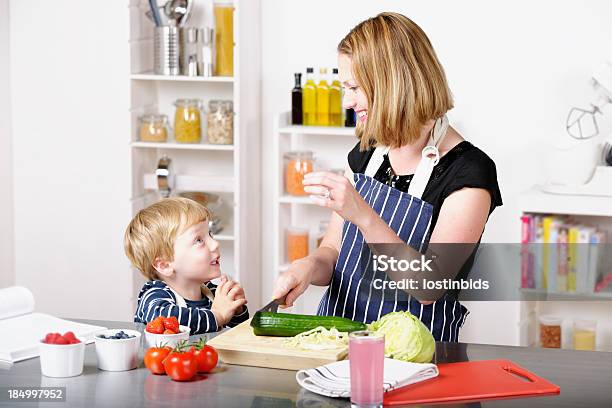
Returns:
point(337, 193)
point(294, 281)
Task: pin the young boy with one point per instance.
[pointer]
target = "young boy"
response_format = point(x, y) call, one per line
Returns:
point(170, 244)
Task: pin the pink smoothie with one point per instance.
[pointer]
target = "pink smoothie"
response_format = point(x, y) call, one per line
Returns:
point(366, 356)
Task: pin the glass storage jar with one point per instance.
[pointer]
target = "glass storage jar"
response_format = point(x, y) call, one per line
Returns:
point(297, 164)
point(584, 334)
point(297, 243)
point(550, 331)
point(220, 122)
point(188, 121)
point(153, 128)
point(224, 37)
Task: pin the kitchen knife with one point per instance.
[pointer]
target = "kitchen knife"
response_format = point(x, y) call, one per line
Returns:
point(273, 305)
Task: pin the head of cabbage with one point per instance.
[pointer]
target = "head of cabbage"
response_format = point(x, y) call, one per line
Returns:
point(406, 337)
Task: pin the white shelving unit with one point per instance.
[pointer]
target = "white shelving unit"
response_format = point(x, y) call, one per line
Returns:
point(330, 146)
point(231, 171)
point(590, 210)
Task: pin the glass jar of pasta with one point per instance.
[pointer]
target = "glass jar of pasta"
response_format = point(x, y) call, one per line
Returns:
point(297, 164)
point(153, 128)
point(188, 120)
point(220, 122)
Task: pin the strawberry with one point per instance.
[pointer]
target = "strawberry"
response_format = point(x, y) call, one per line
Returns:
point(71, 338)
point(168, 331)
point(171, 323)
point(61, 340)
point(156, 326)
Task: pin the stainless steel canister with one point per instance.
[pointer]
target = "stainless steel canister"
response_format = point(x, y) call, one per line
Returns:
point(187, 48)
point(166, 50)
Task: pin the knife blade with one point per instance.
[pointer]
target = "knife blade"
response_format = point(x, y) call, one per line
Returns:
point(273, 305)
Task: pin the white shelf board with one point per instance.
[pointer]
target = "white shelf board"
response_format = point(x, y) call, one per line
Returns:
point(287, 199)
point(318, 130)
point(213, 184)
point(182, 146)
point(537, 201)
point(150, 76)
point(607, 296)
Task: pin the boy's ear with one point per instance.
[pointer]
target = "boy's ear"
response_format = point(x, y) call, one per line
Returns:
point(163, 267)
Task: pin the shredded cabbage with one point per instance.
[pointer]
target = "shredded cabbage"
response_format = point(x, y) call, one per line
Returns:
point(318, 338)
point(406, 337)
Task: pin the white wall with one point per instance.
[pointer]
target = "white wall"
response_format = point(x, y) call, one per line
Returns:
point(70, 109)
point(515, 68)
point(7, 272)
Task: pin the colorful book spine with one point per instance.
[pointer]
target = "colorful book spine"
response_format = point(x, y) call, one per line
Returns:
point(573, 252)
point(538, 250)
point(562, 258)
point(525, 221)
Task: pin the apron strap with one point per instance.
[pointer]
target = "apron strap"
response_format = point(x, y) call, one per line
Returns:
point(430, 156)
point(376, 160)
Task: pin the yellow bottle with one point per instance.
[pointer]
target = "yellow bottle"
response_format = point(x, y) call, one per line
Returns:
point(323, 100)
point(335, 100)
point(309, 99)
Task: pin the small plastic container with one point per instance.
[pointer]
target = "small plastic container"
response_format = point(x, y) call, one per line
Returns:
point(550, 331)
point(297, 164)
point(117, 354)
point(297, 243)
point(170, 340)
point(584, 334)
point(61, 360)
point(153, 128)
point(188, 120)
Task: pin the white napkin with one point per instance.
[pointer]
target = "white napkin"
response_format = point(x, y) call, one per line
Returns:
point(333, 380)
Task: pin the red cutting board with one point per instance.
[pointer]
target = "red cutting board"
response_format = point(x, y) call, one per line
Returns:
point(473, 381)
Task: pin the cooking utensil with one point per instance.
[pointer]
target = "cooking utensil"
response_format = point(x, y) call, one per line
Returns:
point(183, 20)
point(155, 13)
point(273, 305)
point(176, 11)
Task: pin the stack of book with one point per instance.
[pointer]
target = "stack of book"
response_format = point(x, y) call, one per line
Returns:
point(561, 255)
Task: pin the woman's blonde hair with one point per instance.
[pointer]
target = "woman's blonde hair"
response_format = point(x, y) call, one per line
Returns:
point(152, 232)
point(397, 68)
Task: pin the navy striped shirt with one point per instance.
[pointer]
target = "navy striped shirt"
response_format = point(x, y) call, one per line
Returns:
point(157, 299)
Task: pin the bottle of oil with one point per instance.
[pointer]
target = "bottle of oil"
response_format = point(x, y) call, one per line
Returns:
point(335, 100)
point(296, 101)
point(309, 99)
point(323, 99)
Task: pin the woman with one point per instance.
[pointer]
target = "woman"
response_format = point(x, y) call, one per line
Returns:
point(411, 180)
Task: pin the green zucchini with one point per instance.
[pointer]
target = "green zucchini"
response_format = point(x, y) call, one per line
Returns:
point(288, 324)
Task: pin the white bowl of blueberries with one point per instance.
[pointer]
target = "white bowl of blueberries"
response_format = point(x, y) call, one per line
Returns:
point(117, 349)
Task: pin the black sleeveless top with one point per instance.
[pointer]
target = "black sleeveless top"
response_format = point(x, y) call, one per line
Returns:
point(464, 165)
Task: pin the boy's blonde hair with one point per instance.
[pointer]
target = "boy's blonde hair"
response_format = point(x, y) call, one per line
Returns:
point(397, 68)
point(152, 232)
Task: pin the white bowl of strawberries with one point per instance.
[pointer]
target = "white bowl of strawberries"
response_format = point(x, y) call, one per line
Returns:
point(61, 355)
point(165, 331)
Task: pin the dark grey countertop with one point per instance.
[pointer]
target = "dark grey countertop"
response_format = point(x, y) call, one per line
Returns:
point(585, 379)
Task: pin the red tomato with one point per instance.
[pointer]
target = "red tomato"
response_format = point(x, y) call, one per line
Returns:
point(154, 358)
point(181, 365)
point(206, 356)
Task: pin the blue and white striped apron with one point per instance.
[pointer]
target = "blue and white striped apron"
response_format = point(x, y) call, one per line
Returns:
point(350, 293)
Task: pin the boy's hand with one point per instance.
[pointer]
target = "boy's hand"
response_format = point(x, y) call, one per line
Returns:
point(225, 305)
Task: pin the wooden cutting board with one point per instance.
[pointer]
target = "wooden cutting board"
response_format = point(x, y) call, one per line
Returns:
point(240, 346)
